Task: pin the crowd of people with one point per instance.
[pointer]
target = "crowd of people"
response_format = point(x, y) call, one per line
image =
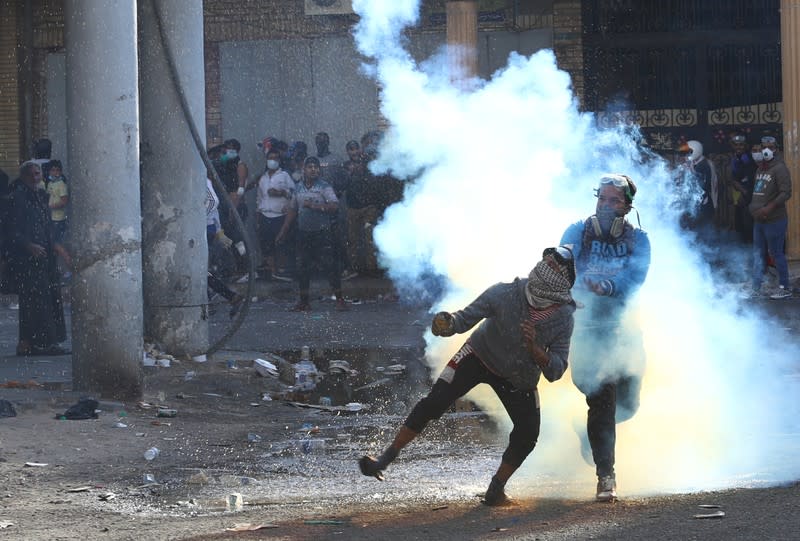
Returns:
point(745, 199)
point(314, 211)
point(34, 261)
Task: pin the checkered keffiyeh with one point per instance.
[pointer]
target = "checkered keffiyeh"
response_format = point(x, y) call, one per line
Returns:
point(547, 285)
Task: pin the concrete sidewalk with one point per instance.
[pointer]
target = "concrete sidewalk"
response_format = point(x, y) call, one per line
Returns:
point(377, 325)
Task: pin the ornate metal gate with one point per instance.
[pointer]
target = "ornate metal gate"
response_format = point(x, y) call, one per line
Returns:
point(684, 69)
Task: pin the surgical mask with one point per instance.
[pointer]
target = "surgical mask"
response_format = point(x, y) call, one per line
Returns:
point(231, 154)
point(758, 157)
point(272, 165)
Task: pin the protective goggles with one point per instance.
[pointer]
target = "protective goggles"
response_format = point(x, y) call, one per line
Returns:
point(767, 139)
point(618, 181)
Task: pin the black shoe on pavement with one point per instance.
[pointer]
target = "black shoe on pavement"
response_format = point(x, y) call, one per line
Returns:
point(495, 495)
point(369, 467)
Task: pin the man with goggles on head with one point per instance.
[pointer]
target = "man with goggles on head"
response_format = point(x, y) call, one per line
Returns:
point(612, 258)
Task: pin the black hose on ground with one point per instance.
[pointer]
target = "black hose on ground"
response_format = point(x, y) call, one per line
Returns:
point(200, 144)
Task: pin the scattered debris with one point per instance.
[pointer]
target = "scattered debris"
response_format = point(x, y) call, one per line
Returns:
point(79, 489)
point(313, 445)
point(108, 496)
point(324, 522)
point(499, 529)
point(235, 502)
point(36, 464)
point(7, 409)
point(149, 479)
point(4, 524)
point(85, 408)
point(439, 508)
point(247, 527)
point(167, 412)
point(30, 384)
point(716, 514)
point(708, 506)
point(253, 438)
point(265, 368)
point(199, 478)
point(120, 425)
point(352, 407)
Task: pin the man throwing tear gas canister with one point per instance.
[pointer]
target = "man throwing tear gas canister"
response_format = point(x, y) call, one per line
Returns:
point(612, 258)
point(525, 329)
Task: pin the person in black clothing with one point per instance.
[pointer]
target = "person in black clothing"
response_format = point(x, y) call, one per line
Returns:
point(32, 267)
point(743, 174)
point(364, 202)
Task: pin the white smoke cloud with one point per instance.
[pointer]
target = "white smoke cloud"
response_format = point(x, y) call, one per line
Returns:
point(499, 171)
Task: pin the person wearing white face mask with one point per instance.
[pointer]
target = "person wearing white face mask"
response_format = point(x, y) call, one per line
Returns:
point(773, 187)
point(275, 189)
point(706, 176)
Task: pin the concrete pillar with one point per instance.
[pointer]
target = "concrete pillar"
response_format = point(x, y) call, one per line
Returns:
point(790, 68)
point(462, 37)
point(103, 148)
point(174, 250)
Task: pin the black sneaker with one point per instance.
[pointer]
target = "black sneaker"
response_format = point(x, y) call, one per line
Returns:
point(495, 495)
point(369, 467)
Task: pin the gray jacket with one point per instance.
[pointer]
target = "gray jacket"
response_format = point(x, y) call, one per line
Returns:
point(498, 340)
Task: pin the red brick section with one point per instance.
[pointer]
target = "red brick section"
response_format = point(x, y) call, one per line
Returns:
point(568, 42)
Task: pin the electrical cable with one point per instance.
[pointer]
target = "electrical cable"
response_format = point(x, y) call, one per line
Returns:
point(200, 144)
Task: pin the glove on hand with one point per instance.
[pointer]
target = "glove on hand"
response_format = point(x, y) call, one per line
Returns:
point(442, 324)
point(226, 242)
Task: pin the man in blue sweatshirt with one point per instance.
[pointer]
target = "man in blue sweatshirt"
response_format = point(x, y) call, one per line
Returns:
point(525, 329)
point(612, 259)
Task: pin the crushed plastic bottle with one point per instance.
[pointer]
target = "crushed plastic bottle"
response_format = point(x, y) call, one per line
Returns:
point(151, 453)
point(306, 373)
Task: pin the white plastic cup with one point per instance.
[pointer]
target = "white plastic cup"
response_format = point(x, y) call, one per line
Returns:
point(151, 453)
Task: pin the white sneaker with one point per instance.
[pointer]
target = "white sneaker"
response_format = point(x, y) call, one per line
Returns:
point(606, 489)
point(781, 293)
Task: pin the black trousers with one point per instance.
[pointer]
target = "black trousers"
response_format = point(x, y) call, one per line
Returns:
point(522, 406)
point(316, 248)
point(41, 312)
point(618, 396)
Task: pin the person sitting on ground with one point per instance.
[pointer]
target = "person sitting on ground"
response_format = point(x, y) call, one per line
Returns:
point(525, 332)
